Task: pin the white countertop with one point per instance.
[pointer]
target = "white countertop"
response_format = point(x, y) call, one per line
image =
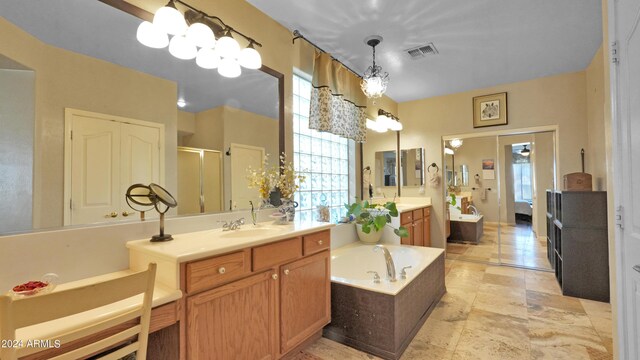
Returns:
point(201, 244)
point(410, 207)
point(50, 329)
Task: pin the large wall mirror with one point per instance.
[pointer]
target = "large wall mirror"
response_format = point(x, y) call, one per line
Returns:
point(86, 111)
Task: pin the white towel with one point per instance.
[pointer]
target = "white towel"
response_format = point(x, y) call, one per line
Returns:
point(483, 194)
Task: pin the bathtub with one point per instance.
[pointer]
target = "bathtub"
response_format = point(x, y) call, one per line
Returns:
point(383, 318)
point(467, 228)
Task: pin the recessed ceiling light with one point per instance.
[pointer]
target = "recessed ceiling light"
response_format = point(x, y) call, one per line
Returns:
point(181, 103)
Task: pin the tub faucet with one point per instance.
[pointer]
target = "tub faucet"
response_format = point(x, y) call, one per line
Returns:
point(474, 210)
point(391, 267)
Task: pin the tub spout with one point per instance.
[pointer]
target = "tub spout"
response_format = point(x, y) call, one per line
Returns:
point(391, 267)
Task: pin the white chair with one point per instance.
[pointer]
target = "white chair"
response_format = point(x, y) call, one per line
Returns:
point(19, 313)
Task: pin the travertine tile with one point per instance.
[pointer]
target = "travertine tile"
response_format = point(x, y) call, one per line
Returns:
point(503, 280)
point(480, 345)
point(424, 350)
point(501, 300)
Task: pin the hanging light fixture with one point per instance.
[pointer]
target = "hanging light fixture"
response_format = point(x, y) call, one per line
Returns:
point(374, 81)
point(525, 151)
point(455, 143)
point(193, 38)
point(389, 120)
point(376, 126)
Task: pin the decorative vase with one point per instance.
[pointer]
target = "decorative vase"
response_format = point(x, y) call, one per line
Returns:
point(371, 238)
point(288, 207)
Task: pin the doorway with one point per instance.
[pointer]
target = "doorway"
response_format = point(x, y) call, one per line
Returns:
point(496, 197)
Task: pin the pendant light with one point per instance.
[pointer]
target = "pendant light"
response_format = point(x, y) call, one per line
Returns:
point(455, 143)
point(201, 35)
point(374, 81)
point(525, 151)
point(208, 58)
point(227, 46)
point(170, 19)
point(229, 67)
point(182, 48)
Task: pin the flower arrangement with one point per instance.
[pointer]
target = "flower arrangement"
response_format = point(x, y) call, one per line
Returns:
point(283, 177)
point(263, 179)
point(288, 181)
point(375, 217)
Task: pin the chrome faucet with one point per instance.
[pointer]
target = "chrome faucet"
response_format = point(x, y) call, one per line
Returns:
point(254, 213)
point(474, 210)
point(391, 267)
point(232, 225)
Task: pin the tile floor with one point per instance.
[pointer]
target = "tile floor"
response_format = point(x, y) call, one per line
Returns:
point(497, 312)
point(520, 246)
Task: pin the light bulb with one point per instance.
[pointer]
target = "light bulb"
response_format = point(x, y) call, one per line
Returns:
point(374, 86)
point(250, 58)
point(394, 125)
point(229, 67)
point(181, 48)
point(201, 35)
point(455, 143)
point(182, 103)
point(152, 36)
point(228, 47)
point(376, 126)
point(170, 20)
point(208, 58)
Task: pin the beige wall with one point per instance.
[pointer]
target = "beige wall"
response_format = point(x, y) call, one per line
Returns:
point(69, 80)
point(595, 158)
point(557, 100)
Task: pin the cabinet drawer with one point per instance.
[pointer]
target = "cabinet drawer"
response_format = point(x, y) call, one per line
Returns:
point(208, 273)
point(427, 212)
point(406, 217)
point(267, 256)
point(417, 214)
point(316, 242)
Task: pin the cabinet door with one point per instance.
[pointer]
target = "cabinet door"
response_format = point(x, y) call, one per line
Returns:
point(418, 232)
point(427, 231)
point(234, 321)
point(305, 299)
point(408, 240)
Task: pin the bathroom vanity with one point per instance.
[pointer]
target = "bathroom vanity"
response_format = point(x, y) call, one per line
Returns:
point(255, 293)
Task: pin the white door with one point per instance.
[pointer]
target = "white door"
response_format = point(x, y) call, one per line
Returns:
point(95, 170)
point(625, 21)
point(244, 157)
point(139, 160)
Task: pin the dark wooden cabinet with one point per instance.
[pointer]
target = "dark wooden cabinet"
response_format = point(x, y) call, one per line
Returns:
point(305, 299)
point(234, 321)
point(426, 235)
point(577, 242)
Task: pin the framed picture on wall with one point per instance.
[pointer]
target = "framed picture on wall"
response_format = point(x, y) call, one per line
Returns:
point(490, 110)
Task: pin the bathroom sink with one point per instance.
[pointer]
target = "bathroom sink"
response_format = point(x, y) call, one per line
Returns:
point(252, 231)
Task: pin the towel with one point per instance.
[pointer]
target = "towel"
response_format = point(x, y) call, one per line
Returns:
point(483, 194)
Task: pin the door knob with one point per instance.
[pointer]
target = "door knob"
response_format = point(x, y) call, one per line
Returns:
point(112, 214)
point(286, 271)
point(126, 213)
point(275, 276)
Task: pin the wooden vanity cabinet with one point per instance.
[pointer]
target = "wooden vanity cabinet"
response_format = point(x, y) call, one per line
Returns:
point(418, 224)
point(305, 299)
point(234, 321)
point(260, 302)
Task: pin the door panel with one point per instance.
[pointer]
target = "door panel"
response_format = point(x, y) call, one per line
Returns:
point(418, 232)
point(305, 299)
point(140, 156)
point(95, 170)
point(244, 157)
point(235, 321)
point(625, 16)
point(212, 181)
point(188, 181)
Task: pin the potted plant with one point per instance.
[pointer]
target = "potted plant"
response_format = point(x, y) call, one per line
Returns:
point(371, 219)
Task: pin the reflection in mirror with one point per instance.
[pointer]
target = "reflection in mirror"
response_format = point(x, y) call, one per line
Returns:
point(98, 86)
point(464, 175)
point(412, 165)
point(386, 168)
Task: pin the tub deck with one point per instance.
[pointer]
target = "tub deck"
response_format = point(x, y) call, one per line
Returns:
point(383, 324)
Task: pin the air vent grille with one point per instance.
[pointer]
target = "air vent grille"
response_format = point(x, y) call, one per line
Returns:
point(422, 51)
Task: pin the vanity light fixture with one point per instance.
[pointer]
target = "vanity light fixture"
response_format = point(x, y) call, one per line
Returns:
point(389, 120)
point(374, 81)
point(525, 151)
point(181, 103)
point(194, 37)
point(448, 151)
point(455, 143)
point(376, 126)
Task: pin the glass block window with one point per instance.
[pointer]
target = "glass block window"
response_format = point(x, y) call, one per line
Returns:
point(325, 159)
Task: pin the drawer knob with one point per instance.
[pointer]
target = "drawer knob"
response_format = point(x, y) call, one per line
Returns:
point(320, 242)
point(286, 271)
point(222, 270)
point(275, 276)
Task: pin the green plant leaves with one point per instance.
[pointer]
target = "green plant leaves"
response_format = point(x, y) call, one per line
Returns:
point(380, 221)
point(402, 232)
point(366, 228)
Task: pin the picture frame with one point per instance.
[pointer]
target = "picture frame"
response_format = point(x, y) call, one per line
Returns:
point(490, 110)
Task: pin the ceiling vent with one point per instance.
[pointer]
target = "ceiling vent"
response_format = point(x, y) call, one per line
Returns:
point(422, 51)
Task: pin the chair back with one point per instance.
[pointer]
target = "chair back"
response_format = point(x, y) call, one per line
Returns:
point(23, 312)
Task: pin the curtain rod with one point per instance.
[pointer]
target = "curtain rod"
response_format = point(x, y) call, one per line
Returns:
point(298, 35)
